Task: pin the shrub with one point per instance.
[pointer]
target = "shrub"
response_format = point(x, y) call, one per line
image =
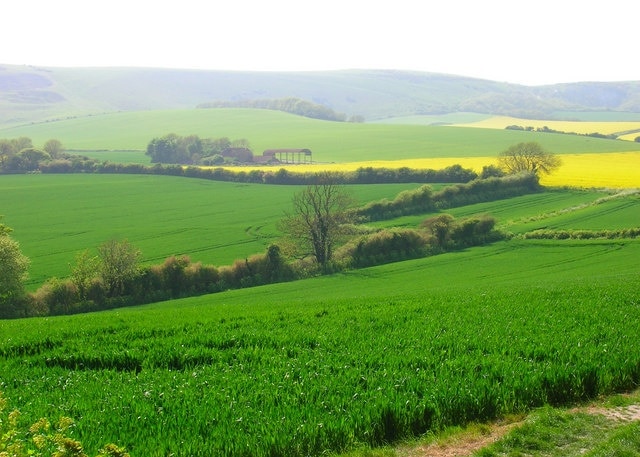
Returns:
point(383, 247)
point(59, 296)
point(473, 231)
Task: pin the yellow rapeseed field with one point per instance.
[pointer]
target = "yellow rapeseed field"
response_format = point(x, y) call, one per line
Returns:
point(614, 170)
point(605, 170)
point(583, 127)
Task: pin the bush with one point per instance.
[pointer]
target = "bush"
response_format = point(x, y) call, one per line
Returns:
point(547, 234)
point(448, 233)
point(58, 296)
point(473, 231)
point(383, 247)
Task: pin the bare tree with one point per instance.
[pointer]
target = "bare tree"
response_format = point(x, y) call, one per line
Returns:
point(528, 157)
point(320, 213)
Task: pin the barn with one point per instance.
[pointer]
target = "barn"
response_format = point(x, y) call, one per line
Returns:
point(292, 156)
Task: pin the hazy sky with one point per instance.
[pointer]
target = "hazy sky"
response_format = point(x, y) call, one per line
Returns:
point(521, 41)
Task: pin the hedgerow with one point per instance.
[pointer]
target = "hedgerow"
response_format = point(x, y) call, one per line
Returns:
point(549, 234)
point(424, 199)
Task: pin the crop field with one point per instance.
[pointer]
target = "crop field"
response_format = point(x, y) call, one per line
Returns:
point(361, 358)
point(55, 217)
point(329, 141)
point(582, 127)
point(605, 170)
point(123, 137)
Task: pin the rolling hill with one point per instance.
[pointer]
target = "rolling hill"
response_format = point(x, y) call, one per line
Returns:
point(34, 94)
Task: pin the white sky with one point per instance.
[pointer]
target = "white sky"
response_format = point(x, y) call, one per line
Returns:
point(520, 41)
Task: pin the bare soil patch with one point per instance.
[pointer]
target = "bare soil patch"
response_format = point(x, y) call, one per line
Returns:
point(622, 413)
point(463, 444)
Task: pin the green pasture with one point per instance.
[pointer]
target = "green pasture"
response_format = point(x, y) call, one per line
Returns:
point(55, 217)
point(329, 141)
point(362, 358)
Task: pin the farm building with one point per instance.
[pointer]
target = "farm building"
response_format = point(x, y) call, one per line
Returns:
point(286, 155)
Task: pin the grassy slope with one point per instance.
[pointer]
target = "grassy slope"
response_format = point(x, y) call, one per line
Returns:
point(271, 347)
point(55, 217)
point(555, 209)
point(329, 141)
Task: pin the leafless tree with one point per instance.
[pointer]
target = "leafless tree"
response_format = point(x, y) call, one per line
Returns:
point(320, 214)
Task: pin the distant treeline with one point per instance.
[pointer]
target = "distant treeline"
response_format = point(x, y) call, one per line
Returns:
point(545, 129)
point(288, 105)
point(192, 150)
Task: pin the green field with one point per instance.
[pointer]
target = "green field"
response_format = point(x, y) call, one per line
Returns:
point(361, 358)
point(55, 217)
point(329, 141)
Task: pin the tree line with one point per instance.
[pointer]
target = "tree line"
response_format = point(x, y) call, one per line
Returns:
point(291, 105)
point(424, 199)
point(19, 156)
point(545, 129)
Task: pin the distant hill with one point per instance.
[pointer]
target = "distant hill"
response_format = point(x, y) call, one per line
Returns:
point(35, 94)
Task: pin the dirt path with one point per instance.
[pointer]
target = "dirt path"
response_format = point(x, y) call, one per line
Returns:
point(622, 413)
point(463, 444)
point(466, 443)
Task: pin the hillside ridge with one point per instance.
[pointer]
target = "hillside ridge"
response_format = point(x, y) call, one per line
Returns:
point(34, 94)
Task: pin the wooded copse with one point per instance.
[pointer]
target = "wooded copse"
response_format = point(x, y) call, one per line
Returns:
point(193, 150)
